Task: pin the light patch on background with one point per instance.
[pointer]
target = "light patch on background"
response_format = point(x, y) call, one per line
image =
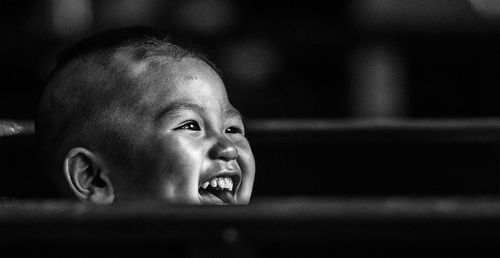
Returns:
point(415, 14)
point(127, 12)
point(71, 17)
point(487, 8)
point(206, 16)
point(251, 62)
point(377, 83)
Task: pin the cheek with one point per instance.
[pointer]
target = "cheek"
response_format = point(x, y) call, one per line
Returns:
point(247, 165)
point(178, 154)
point(245, 153)
point(246, 161)
point(179, 163)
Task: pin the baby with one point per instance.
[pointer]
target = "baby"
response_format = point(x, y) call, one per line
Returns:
point(127, 114)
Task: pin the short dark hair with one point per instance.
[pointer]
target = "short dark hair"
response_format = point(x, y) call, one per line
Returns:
point(82, 87)
point(140, 37)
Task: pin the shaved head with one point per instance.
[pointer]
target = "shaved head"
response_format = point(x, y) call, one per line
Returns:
point(95, 94)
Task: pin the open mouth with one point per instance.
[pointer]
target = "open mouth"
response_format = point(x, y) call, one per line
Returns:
point(220, 189)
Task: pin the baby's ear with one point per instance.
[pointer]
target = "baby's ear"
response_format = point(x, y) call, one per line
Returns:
point(88, 177)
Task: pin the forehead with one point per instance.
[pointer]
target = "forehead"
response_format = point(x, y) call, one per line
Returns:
point(163, 80)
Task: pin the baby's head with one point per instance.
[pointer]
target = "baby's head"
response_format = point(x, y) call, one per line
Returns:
point(128, 115)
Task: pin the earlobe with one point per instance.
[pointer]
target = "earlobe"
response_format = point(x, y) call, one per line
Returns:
point(87, 176)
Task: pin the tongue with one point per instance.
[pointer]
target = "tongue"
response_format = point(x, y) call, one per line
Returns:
point(225, 196)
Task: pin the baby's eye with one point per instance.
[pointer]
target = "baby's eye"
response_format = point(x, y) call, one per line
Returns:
point(234, 129)
point(189, 125)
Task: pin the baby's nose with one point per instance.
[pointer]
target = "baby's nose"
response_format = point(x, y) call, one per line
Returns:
point(223, 149)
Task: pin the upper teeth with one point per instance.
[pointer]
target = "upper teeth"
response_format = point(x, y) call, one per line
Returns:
point(221, 182)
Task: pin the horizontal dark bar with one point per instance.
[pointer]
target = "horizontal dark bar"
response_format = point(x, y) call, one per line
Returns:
point(315, 125)
point(269, 219)
point(273, 208)
point(375, 130)
point(286, 227)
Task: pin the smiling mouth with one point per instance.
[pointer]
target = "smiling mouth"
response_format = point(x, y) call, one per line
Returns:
point(219, 190)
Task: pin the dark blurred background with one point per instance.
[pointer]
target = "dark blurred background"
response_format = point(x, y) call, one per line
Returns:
point(307, 61)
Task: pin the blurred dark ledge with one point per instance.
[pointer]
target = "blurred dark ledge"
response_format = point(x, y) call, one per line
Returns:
point(376, 130)
point(346, 130)
point(267, 227)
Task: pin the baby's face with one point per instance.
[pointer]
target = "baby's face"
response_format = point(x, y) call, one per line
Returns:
point(192, 147)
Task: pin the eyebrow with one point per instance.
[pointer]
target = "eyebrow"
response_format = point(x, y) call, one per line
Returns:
point(173, 108)
point(233, 113)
